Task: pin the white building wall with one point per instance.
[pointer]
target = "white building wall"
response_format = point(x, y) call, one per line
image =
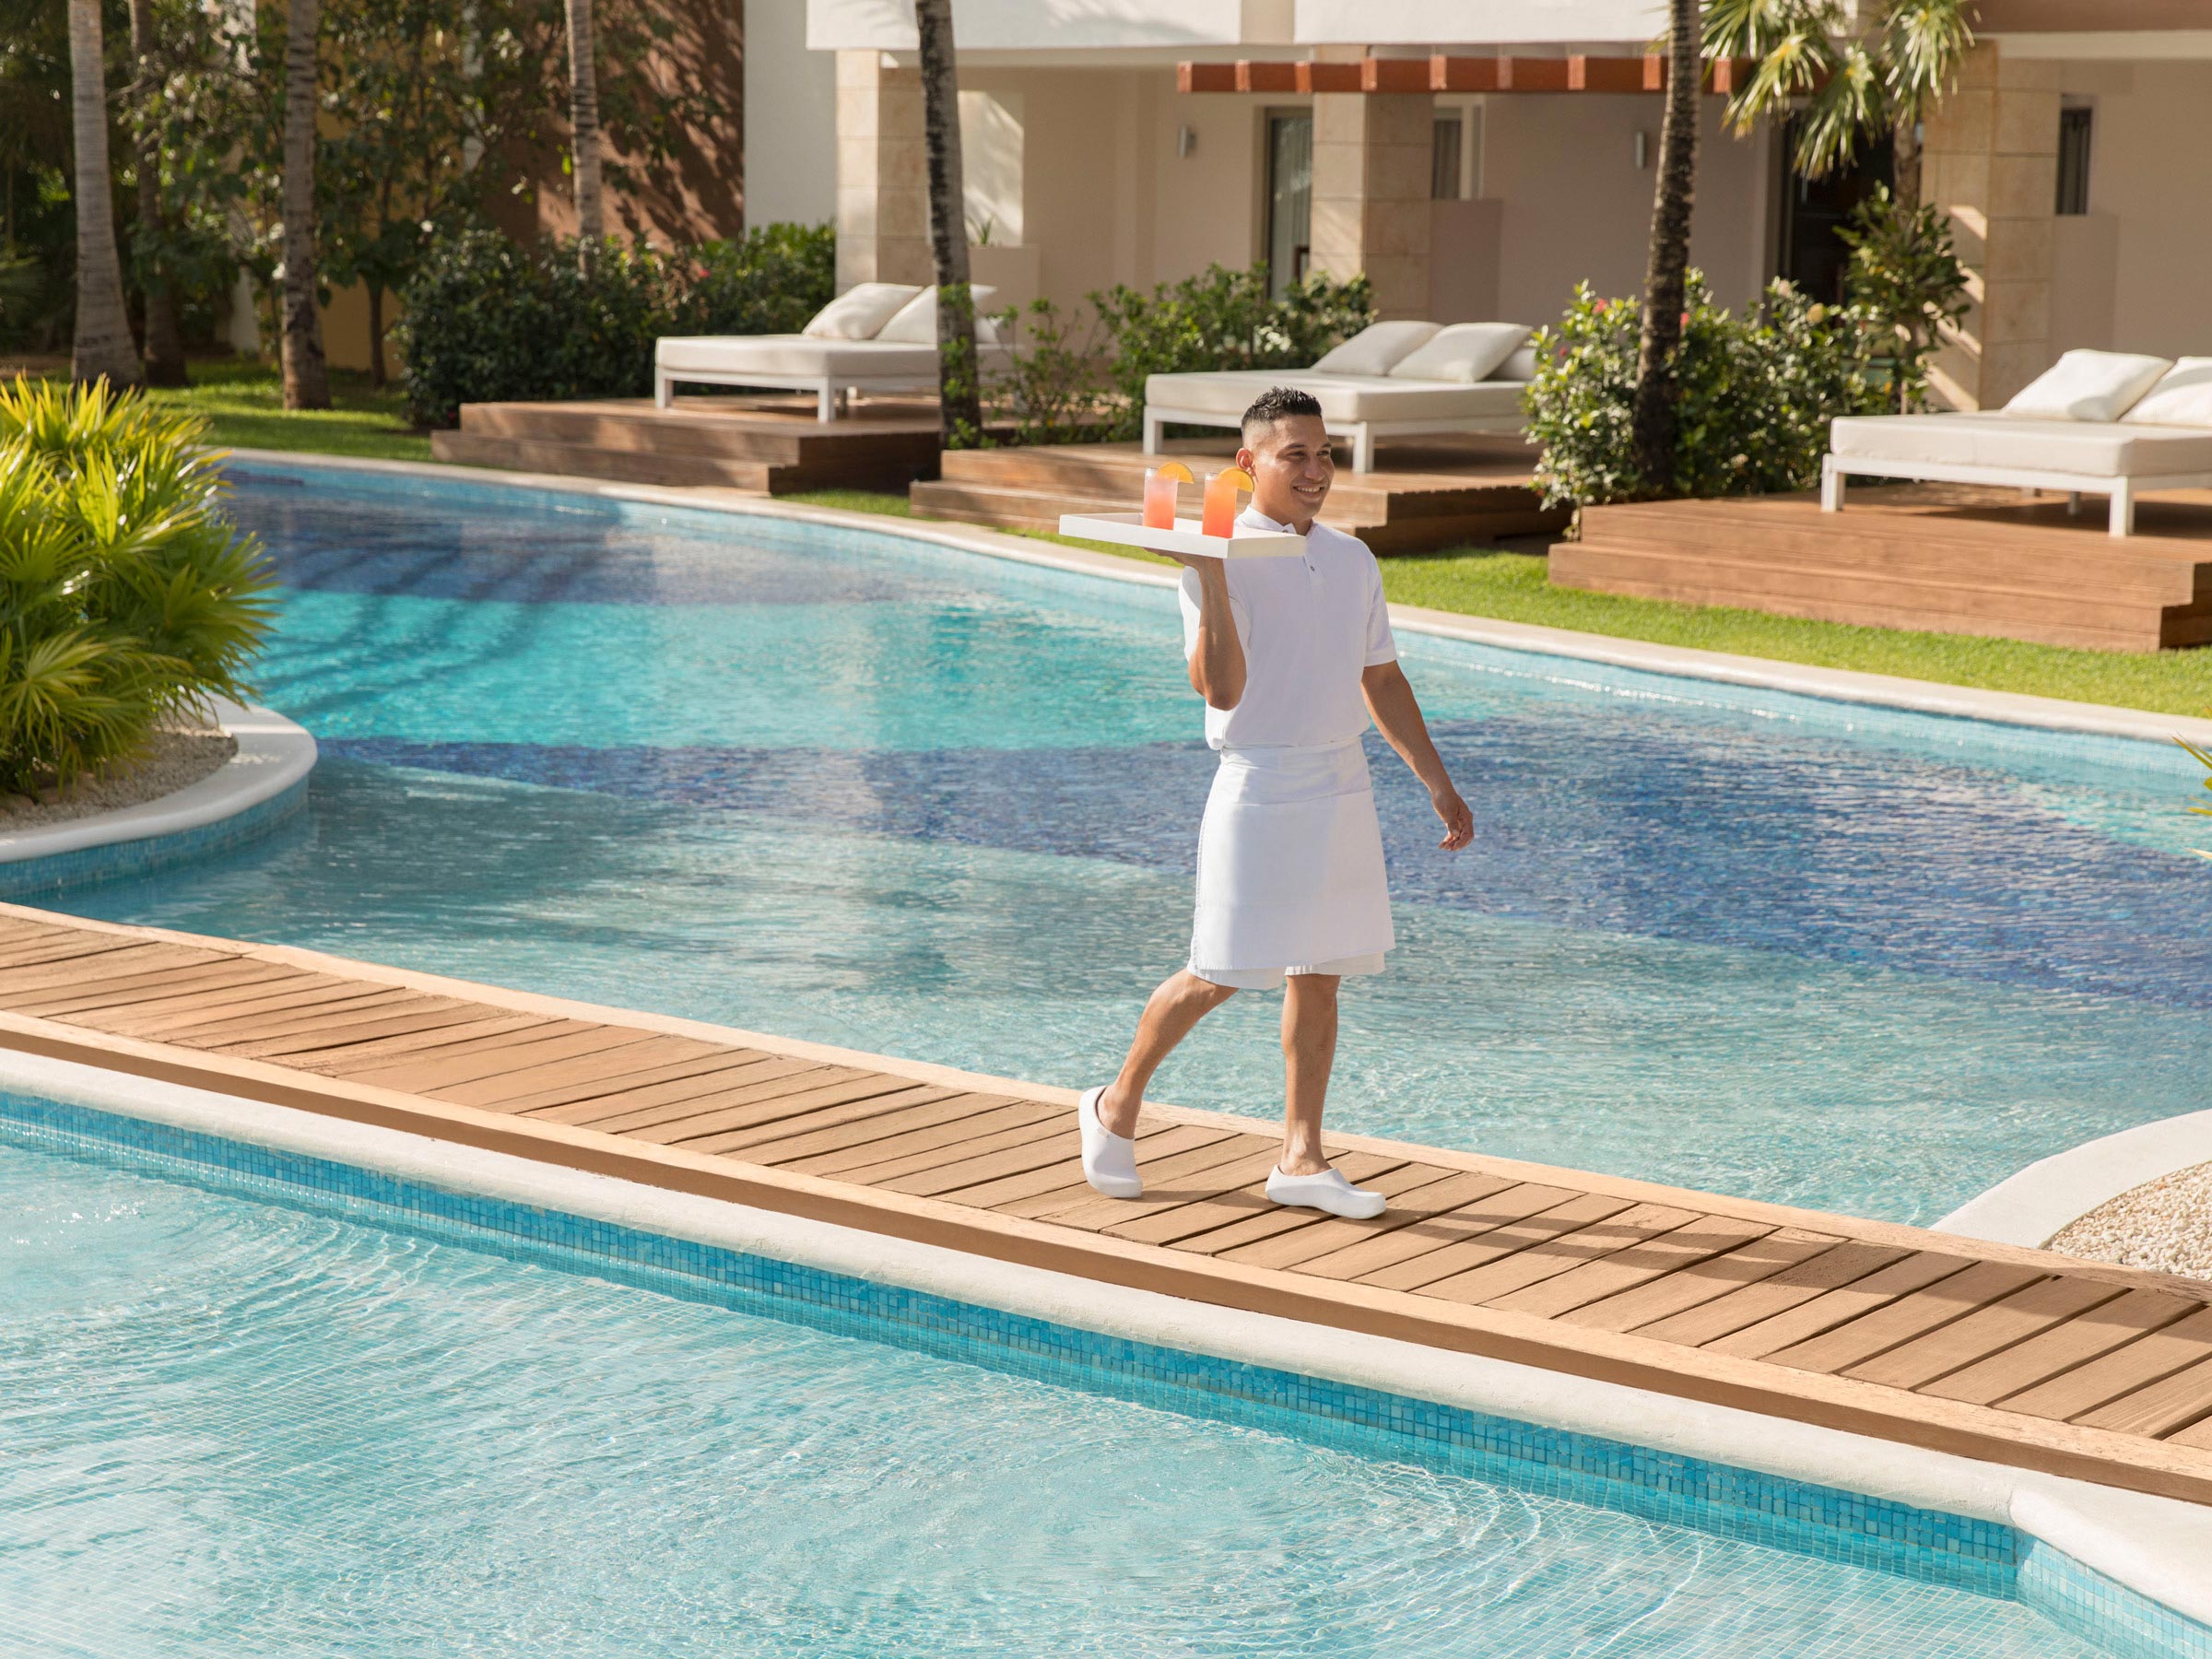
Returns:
point(790, 119)
point(1036, 25)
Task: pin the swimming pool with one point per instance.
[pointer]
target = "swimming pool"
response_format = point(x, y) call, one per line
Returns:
point(246, 1417)
point(845, 787)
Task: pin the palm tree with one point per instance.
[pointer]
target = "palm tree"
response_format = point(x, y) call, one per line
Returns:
point(584, 124)
point(306, 378)
point(164, 339)
point(1655, 414)
point(1903, 57)
point(103, 347)
point(960, 397)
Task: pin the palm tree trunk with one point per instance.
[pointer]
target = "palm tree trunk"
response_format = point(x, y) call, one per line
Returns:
point(306, 377)
point(960, 397)
point(102, 345)
point(164, 339)
point(1904, 149)
point(584, 124)
point(1655, 413)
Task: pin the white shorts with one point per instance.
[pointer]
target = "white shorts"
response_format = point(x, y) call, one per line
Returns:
point(1271, 979)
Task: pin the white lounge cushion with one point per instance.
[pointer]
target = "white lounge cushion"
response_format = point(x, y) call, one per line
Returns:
point(1522, 366)
point(1343, 398)
point(915, 323)
point(860, 313)
point(1376, 349)
point(799, 357)
point(1465, 353)
point(2089, 385)
point(2092, 448)
point(2181, 398)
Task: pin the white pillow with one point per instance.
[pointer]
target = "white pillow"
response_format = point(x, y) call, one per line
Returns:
point(2089, 385)
point(1375, 348)
point(1520, 366)
point(2183, 397)
point(859, 310)
point(916, 322)
point(1463, 353)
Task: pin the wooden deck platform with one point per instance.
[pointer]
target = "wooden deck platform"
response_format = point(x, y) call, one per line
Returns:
point(1433, 493)
point(773, 444)
point(2015, 1356)
point(1942, 557)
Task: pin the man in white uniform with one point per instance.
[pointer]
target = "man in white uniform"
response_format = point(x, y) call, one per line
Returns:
point(1292, 657)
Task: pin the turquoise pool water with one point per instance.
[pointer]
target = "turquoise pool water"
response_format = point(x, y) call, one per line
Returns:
point(240, 1425)
point(843, 787)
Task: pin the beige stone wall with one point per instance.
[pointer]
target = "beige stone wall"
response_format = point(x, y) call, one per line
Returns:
point(1371, 193)
point(882, 173)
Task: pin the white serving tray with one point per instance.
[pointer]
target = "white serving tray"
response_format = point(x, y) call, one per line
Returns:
point(1128, 529)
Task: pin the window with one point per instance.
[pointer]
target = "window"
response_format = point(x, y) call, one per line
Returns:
point(2074, 161)
point(1444, 159)
point(1289, 198)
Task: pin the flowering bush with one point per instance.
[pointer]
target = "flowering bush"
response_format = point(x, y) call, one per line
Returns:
point(1757, 394)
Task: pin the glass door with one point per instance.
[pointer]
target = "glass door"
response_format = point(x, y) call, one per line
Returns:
point(1290, 198)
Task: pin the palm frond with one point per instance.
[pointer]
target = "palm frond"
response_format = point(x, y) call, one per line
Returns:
point(1921, 44)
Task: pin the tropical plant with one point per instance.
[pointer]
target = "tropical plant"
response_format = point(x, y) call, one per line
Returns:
point(306, 377)
point(104, 347)
point(1051, 388)
point(126, 596)
point(1655, 420)
point(2204, 760)
point(959, 390)
point(1905, 274)
point(1879, 68)
point(164, 332)
point(1757, 393)
point(1220, 319)
point(584, 130)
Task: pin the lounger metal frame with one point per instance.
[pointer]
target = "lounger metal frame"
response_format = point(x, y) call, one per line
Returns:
point(830, 391)
point(2122, 489)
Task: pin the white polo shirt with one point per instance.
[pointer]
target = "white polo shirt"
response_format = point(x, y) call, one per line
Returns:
point(1309, 626)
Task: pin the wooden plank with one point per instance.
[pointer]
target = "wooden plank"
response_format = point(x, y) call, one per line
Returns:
point(2076, 1342)
point(891, 1109)
point(723, 1061)
point(1904, 1318)
point(2166, 1405)
point(740, 1130)
point(1389, 1251)
point(312, 1026)
point(2151, 1358)
point(84, 967)
point(2002, 1325)
point(1328, 1234)
point(1791, 1287)
point(1278, 1225)
point(1161, 1173)
point(1154, 1142)
point(349, 1030)
point(20, 961)
point(1627, 1269)
point(136, 987)
point(496, 1028)
point(183, 1018)
point(630, 1106)
point(432, 1072)
point(1244, 1202)
point(1491, 1244)
point(635, 1057)
point(2197, 1435)
point(1702, 1282)
point(1174, 1182)
point(279, 1016)
point(930, 1154)
point(1548, 1258)
point(1916, 1272)
point(889, 1141)
point(1058, 1147)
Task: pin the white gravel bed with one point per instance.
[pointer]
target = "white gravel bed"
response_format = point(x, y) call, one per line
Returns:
point(2165, 1225)
point(175, 758)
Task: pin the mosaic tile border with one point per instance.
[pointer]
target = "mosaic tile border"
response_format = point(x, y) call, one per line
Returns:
point(148, 853)
point(1740, 1504)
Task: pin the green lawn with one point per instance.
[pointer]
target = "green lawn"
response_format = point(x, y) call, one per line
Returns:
point(243, 402)
point(1510, 587)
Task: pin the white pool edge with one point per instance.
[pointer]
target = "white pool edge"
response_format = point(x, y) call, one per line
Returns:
point(2156, 1546)
point(1829, 685)
point(2052, 1193)
point(273, 754)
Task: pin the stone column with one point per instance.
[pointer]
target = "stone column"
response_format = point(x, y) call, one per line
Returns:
point(1991, 160)
point(882, 173)
point(1371, 157)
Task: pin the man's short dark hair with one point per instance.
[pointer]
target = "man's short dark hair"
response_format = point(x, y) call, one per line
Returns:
point(1278, 402)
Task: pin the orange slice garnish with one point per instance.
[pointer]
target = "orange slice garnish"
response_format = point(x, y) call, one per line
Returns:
point(1239, 477)
point(1175, 470)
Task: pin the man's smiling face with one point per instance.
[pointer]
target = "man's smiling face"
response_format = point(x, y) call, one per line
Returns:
point(1291, 468)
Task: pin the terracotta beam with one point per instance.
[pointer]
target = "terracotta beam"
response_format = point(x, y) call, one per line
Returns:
point(1394, 75)
point(1616, 73)
point(1580, 72)
point(1330, 78)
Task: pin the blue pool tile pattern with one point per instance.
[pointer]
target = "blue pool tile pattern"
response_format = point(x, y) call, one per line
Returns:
point(27, 880)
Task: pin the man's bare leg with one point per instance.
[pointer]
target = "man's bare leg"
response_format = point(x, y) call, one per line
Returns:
point(1309, 1054)
point(1182, 1000)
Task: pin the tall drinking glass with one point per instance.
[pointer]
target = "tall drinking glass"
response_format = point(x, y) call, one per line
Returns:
point(1221, 500)
point(1160, 498)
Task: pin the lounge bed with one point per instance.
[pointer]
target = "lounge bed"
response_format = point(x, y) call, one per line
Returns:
point(1392, 380)
point(878, 336)
point(2136, 423)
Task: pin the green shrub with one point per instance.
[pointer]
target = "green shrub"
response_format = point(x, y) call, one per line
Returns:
point(1052, 386)
point(1222, 319)
point(126, 596)
point(491, 320)
point(1757, 392)
point(1905, 275)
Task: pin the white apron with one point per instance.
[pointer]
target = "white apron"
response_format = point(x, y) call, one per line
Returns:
point(1289, 862)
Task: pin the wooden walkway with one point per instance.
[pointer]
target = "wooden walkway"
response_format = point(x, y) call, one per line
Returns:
point(2011, 1354)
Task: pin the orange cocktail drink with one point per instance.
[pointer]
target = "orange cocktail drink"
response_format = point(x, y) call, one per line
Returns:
point(1159, 494)
point(1221, 500)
